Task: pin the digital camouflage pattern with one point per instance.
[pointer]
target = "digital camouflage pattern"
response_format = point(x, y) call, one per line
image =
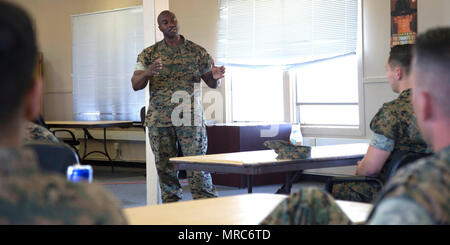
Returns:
point(286, 150)
point(396, 121)
point(183, 66)
point(356, 191)
point(28, 196)
point(193, 141)
point(36, 132)
point(382, 142)
point(427, 183)
point(308, 206)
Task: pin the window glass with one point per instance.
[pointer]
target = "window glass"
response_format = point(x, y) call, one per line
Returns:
point(257, 94)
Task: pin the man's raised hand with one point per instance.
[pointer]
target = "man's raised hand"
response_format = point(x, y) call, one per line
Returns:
point(217, 72)
point(154, 68)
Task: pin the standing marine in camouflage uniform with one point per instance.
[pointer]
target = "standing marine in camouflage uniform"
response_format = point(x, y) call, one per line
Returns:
point(394, 130)
point(38, 133)
point(28, 196)
point(420, 192)
point(173, 68)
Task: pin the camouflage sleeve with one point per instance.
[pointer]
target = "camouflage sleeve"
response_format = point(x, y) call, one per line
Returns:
point(205, 62)
point(385, 123)
point(96, 205)
point(399, 211)
point(382, 142)
point(38, 133)
point(140, 67)
point(143, 59)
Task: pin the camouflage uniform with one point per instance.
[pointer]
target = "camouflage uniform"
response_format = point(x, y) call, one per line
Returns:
point(183, 66)
point(308, 206)
point(395, 129)
point(286, 150)
point(423, 186)
point(28, 196)
point(36, 132)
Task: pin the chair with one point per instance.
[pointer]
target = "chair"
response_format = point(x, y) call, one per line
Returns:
point(54, 157)
point(143, 116)
point(72, 141)
point(397, 161)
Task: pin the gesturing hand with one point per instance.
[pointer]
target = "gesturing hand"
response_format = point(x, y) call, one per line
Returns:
point(217, 72)
point(154, 68)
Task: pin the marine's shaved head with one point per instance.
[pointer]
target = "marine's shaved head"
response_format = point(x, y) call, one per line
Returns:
point(165, 13)
point(431, 64)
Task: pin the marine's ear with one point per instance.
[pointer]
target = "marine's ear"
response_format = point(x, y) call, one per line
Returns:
point(33, 99)
point(399, 72)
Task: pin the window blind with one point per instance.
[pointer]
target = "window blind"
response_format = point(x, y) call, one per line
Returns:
point(285, 32)
point(104, 48)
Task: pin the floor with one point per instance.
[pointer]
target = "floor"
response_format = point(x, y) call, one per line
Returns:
point(128, 184)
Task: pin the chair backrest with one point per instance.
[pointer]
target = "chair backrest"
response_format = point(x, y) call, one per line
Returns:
point(40, 121)
point(54, 157)
point(143, 115)
point(399, 160)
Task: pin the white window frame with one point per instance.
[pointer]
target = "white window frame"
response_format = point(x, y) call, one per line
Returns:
point(290, 99)
point(336, 131)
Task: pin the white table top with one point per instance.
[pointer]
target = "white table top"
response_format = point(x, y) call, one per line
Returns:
point(269, 156)
point(248, 209)
point(83, 124)
point(231, 210)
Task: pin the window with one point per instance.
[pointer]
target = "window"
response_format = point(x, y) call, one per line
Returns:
point(105, 47)
point(314, 42)
point(256, 95)
point(327, 92)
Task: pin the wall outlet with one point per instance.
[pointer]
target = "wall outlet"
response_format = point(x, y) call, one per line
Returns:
point(118, 150)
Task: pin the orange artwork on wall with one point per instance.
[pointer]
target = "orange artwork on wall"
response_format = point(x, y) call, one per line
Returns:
point(403, 22)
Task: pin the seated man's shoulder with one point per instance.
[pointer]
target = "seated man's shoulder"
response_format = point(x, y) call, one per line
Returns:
point(437, 165)
point(393, 115)
point(93, 203)
point(44, 198)
point(425, 182)
point(396, 105)
point(38, 133)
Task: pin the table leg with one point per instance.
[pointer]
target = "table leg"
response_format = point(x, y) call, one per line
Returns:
point(250, 183)
point(105, 153)
point(106, 150)
point(85, 144)
point(290, 178)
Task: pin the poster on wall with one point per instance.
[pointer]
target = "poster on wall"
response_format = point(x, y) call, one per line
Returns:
point(403, 22)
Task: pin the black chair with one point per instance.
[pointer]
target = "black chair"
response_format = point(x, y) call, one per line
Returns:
point(54, 157)
point(397, 161)
point(72, 141)
point(143, 116)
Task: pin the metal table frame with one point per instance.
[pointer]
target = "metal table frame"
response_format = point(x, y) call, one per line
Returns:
point(317, 160)
point(85, 125)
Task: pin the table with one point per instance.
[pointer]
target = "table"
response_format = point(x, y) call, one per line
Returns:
point(85, 125)
point(252, 163)
point(238, 137)
point(248, 209)
point(357, 212)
